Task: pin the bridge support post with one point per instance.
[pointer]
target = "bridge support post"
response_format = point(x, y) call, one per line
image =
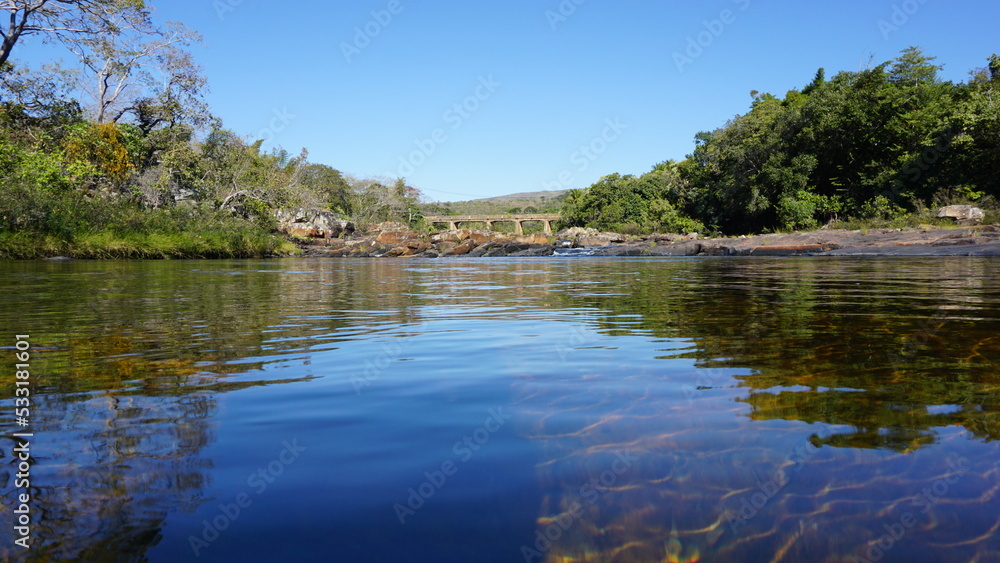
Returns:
point(518, 228)
point(453, 225)
point(548, 227)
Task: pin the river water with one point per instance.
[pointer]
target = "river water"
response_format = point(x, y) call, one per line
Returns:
point(553, 409)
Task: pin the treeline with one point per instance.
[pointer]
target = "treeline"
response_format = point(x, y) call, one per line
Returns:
point(139, 166)
point(498, 206)
point(877, 145)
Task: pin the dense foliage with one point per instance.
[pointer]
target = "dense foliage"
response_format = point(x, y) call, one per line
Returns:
point(873, 144)
point(139, 167)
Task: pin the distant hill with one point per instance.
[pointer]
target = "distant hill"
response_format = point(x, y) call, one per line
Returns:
point(524, 202)
point(528, 196)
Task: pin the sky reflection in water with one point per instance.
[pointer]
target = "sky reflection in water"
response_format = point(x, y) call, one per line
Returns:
point(508, 410)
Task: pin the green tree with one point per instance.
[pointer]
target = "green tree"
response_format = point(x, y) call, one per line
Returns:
point(240, 177)
point(375, 200)
point(971, 151)
point(328, 185)
point(652, 202)
point(912, 67)
point(835, 147)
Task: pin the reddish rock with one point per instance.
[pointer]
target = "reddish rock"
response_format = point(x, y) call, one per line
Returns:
point(328, 242)
point(418, 246)
point(303, 232)
point(462, 234)
point(447, 236)
point(463, 248)
point(479, 237)
point(396, 237)
point(400, 252)
point(444, 247)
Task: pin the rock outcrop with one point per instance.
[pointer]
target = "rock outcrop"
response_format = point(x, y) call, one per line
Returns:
point(461, 242)
point(312, 223)
point(962, 214)
point(978, 241)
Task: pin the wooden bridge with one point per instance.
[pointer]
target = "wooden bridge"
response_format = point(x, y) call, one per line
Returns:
point(453, 221)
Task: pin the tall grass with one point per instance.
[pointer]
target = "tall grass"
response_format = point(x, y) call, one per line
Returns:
point(37, 223)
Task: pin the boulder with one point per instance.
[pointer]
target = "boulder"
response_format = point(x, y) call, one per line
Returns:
point(181, 195)
point(509, 247)
point(600, 239)
point(418, 246)
point(463, 248)
point(397, 237)
point(962, 214)
point(446, 236)
point(479, 237)
point(480, 251)
point(621, 250)
point(665, 237)
point(400, 251)
point(312, 223)
point(462, 234)
point(574, 232)
point(537, 238)
point(535, 250)
point(327, 242)
point(686, 248)
point(444, 247)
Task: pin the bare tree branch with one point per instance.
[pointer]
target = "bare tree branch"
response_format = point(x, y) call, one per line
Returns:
point(55, 19)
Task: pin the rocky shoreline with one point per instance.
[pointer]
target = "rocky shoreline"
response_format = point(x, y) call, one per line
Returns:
point(393, 242)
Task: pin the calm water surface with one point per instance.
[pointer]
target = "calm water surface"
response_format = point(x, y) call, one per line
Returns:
point(571, 409)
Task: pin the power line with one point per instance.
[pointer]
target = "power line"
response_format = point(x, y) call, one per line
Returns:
point(452, 193)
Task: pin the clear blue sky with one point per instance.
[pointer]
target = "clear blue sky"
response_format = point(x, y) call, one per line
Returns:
point(550, 76)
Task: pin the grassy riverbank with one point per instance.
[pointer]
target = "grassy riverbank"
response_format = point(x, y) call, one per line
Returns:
point(111, 245)
point(39, 225)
